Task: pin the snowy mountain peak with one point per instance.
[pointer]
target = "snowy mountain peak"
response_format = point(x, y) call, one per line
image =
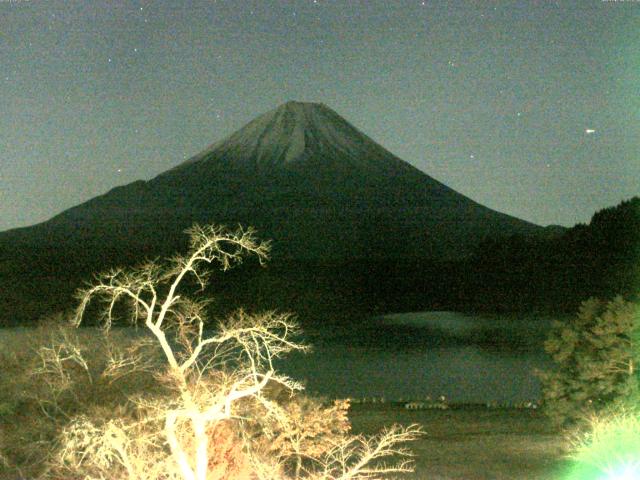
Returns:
point(296, 106)
point(296, 132)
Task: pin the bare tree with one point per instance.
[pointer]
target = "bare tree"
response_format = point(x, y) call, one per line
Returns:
point(219, 386)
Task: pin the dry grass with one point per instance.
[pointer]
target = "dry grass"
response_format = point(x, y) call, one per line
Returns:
point(474, 443)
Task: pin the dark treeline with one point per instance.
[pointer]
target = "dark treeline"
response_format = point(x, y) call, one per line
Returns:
point(552, 274)
point(548, 274)
point(601, 259)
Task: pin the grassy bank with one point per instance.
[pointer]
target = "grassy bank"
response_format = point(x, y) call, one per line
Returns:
point(472, 443)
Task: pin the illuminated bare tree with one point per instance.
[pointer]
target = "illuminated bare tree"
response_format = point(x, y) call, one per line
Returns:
point(220, 381)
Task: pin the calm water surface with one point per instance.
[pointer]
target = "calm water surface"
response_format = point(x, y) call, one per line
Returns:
point(413, 355)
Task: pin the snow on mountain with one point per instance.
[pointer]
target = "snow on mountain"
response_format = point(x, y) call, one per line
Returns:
point(304, 177)
point(295, 132)
point(300, 174)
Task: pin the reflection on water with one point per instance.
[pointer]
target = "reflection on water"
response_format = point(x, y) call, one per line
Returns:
point(402, 356)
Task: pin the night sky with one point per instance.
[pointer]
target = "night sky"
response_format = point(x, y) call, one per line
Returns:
point(531, 108)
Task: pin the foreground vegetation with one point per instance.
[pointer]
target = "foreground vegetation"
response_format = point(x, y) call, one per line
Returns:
point(596, 355)
point(177, 400)
point(177, 403)
point(459, 442)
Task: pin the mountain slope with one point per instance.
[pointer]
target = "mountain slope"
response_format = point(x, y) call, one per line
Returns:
point(301, 174)
point(304, 165)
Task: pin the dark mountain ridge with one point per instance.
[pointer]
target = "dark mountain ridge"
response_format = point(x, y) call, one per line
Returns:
point(300, 174)
point(294, 172)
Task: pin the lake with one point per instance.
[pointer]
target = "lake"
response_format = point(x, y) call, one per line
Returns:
point(466, 358)
point(409, 356)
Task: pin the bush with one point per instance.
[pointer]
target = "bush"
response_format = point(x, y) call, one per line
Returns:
point(596, 356)
point(609, 449)
point(55, 372)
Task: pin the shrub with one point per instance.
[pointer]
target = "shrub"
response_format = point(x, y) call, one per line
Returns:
point(609, 449)
point(55, 372)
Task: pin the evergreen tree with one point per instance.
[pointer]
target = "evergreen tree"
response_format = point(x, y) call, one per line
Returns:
point(596, 356)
